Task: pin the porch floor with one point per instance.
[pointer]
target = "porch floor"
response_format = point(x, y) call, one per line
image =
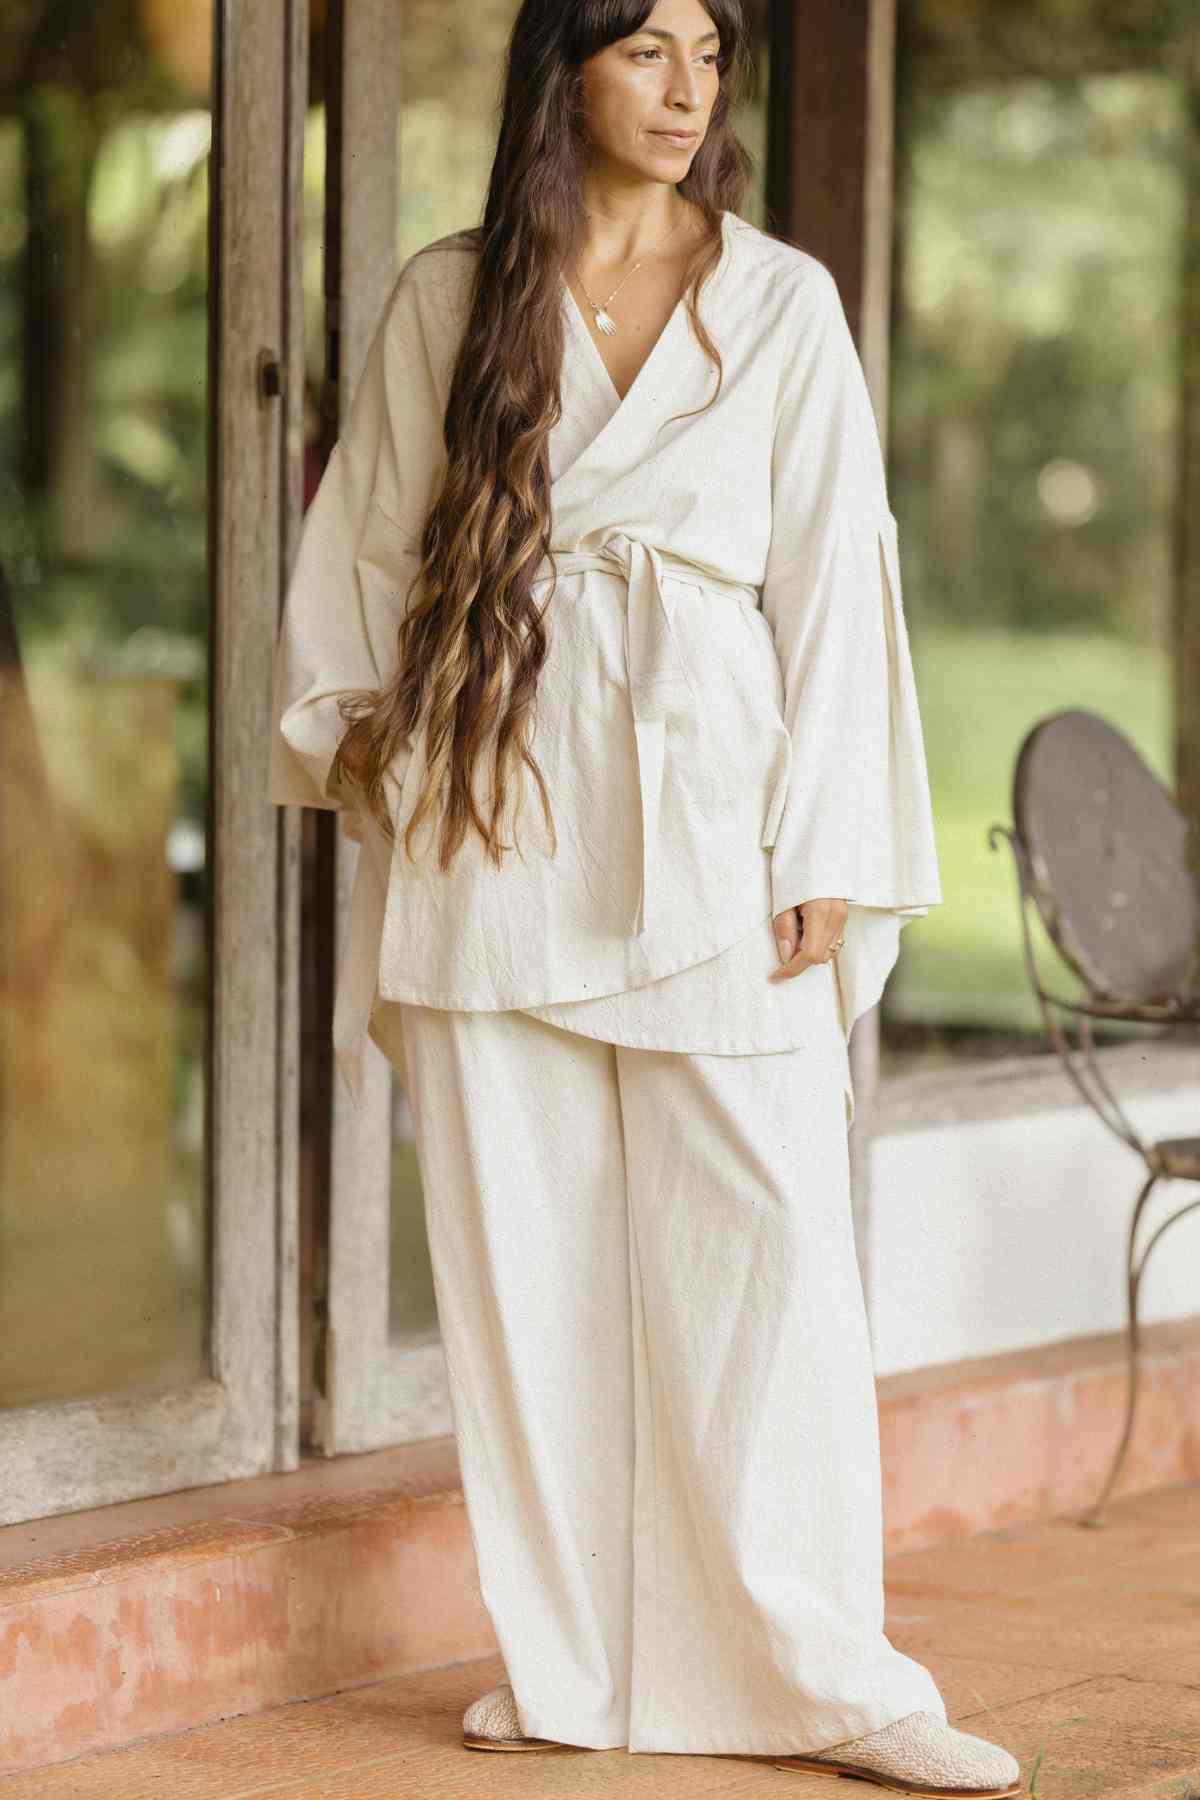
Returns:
point(1077, 1649)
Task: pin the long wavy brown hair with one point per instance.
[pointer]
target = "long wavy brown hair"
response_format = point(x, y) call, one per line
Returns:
point(472, 646)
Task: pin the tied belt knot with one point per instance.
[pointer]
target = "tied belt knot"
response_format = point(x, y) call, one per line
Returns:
point(659, 688)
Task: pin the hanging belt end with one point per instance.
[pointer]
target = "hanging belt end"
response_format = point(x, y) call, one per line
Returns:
point(349, 1059)
point(779, 794)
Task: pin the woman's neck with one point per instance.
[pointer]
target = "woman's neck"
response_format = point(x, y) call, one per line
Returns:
point(623, 224)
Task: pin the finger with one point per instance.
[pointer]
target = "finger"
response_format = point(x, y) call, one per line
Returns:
point(803, 958)
point(787, 933)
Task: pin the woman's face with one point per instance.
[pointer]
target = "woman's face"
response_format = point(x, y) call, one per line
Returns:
point(661, 79)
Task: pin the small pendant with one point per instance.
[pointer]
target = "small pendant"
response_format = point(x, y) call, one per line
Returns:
point(604, 322)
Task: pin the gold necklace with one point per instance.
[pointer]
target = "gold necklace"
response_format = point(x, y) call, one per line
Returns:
point(604, 319)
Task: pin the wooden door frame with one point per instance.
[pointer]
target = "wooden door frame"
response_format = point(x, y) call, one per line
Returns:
point(373, 1389)
point(830, 176)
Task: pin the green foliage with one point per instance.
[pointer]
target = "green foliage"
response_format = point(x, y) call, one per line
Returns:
point(1037, 353)
point(107, 557)
point(1035, 402)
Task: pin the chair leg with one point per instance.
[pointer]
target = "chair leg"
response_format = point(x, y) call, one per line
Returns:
point(1133, 1276)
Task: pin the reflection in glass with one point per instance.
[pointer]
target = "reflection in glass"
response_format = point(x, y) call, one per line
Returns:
point(103, 703)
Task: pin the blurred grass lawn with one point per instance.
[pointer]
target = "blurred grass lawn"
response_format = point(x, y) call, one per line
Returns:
point(980, 692)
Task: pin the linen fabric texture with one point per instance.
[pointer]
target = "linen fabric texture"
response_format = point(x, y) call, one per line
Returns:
point(661, 1381)
point(727, 719)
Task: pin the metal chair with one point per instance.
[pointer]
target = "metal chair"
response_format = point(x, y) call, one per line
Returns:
point(1100, 849)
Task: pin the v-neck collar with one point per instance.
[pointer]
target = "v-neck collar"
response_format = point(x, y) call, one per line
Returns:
point(579, 323)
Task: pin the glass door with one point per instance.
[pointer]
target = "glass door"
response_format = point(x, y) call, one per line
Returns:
point(145, 185)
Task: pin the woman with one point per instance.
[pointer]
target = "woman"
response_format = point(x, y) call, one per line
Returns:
point(610, 489)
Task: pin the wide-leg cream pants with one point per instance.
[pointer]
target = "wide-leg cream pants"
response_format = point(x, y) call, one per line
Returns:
point(661, 1384)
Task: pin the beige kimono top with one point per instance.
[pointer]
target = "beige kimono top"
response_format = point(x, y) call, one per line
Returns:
point(727, 719)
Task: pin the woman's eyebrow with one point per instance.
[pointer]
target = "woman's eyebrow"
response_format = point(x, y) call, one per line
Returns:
point(670, 36)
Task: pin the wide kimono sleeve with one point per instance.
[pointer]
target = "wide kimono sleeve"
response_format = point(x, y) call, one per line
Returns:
point(357, 555)
point(857, 822)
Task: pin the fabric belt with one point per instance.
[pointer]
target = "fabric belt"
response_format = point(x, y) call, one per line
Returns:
point(659, 688)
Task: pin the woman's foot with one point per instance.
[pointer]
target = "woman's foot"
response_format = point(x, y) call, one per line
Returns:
point(491, 1723)
point(920, 1754)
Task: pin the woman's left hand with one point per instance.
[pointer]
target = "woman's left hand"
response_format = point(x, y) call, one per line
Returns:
point(806, 934)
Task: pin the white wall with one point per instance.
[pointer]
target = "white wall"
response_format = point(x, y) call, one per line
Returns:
point(1004, 1233)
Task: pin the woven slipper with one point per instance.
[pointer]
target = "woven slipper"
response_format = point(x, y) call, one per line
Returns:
point(919, 1754)
point(894, 1783)
point(491, 1723)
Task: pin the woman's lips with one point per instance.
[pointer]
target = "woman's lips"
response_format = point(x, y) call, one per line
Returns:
point(680, 139)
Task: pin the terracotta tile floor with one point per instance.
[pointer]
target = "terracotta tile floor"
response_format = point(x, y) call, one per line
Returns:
point(1078, 1650)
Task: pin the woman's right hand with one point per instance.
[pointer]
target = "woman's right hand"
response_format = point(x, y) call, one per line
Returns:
point(806, 935)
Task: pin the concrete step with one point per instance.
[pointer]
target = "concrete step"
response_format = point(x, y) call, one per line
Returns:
point(1075, 1649)
point(170, 1613)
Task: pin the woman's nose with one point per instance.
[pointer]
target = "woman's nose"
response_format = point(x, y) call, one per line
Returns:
point(684, 88)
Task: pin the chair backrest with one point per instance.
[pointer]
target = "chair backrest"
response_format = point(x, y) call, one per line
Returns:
point(1107, 851)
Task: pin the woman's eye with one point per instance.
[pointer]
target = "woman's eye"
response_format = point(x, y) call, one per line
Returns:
point(709, 56)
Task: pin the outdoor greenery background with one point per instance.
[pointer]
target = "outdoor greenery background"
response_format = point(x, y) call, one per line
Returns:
point(1035, 380)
